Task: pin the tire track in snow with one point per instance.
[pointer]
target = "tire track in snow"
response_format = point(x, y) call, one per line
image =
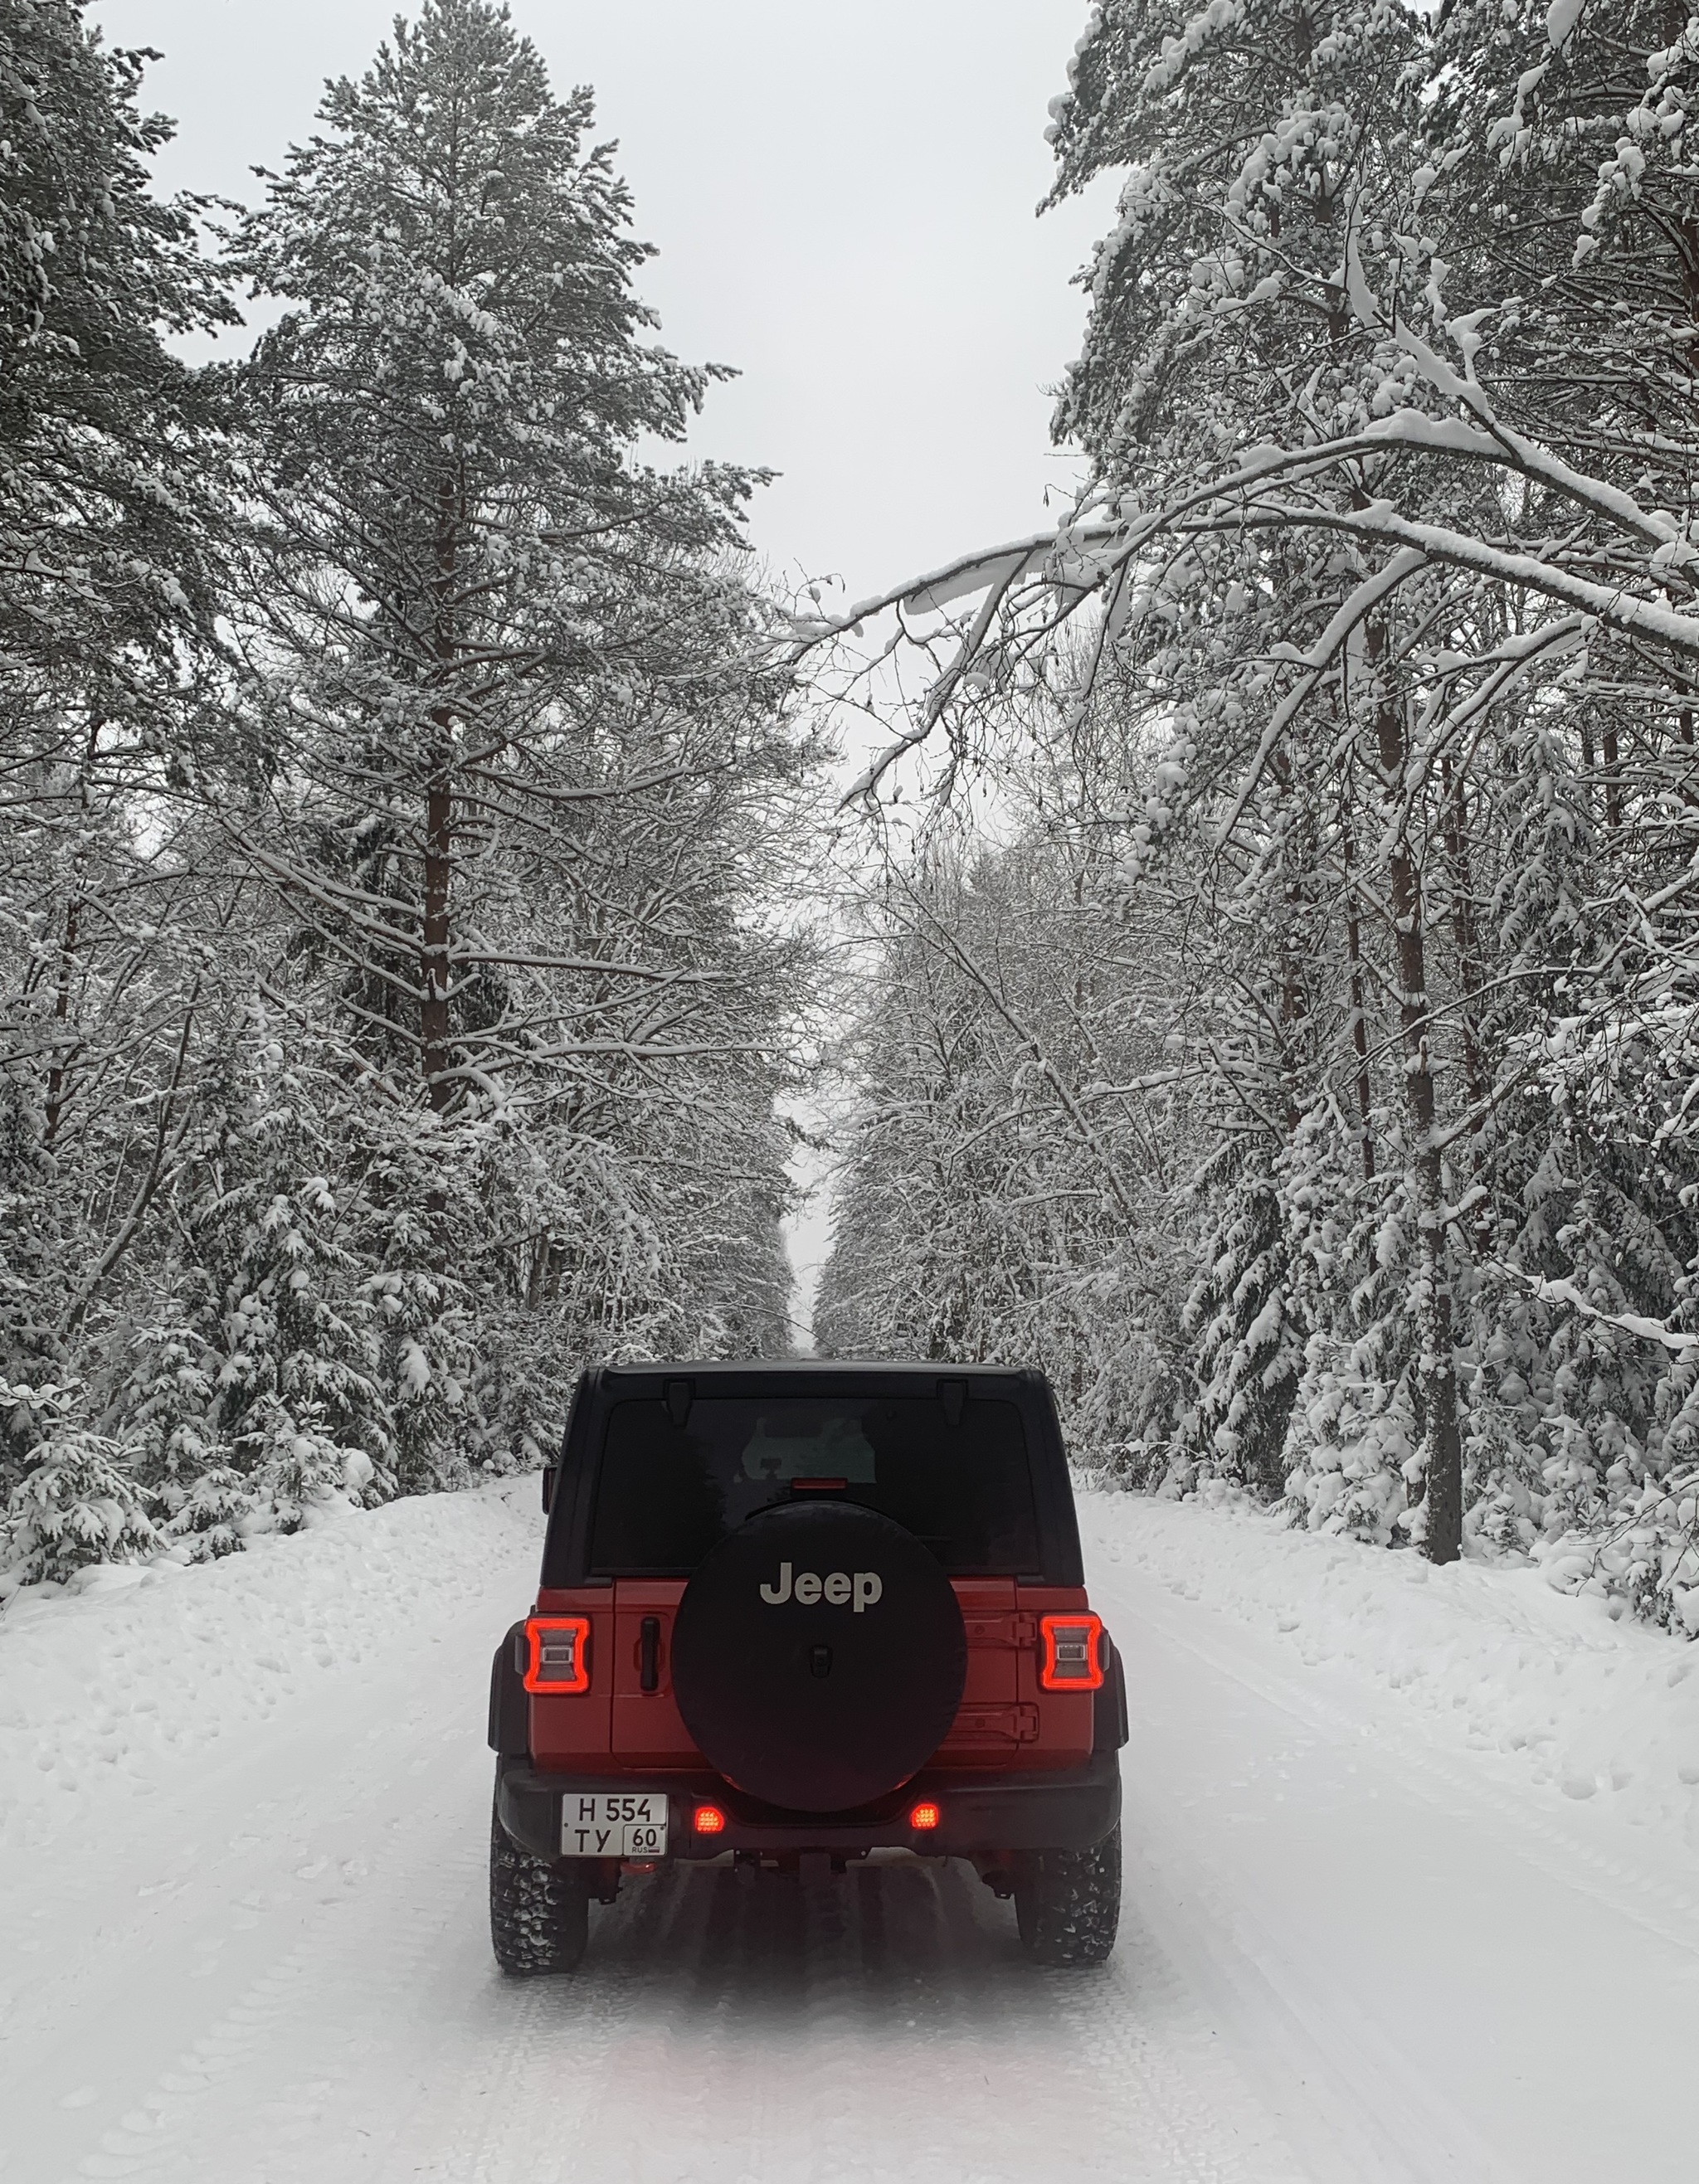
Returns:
point(728, 2028)
point(1397, 1941)
point(344, 2023)
point(1656, 1893)
point(263, 2066)
point(304, 1862)
point(517, 2054)
point(1661, 1901)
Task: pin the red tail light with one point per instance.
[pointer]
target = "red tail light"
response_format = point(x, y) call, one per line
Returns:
point(559, 1653)
point(1073, 1652)
point(925, 1816)
point(710, 1820)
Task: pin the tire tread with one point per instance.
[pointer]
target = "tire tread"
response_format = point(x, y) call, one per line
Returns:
point(1068, 1903)
point(539, 1913)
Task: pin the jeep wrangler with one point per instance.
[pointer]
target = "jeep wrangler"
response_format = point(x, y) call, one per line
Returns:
point(794, 1614)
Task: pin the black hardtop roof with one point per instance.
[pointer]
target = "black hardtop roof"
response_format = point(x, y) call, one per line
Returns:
point(565, 1554)
point(815, 1368)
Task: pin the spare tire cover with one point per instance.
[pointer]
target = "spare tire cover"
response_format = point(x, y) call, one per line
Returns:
point(818, 1656)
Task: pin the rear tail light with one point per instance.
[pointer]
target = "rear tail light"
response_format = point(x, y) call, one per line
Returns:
point(1072, 1652)
point(925, 1816)
point(710, 1820)
point(559, 1653)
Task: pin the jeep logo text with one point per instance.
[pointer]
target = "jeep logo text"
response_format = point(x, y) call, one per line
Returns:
point(837, 1591)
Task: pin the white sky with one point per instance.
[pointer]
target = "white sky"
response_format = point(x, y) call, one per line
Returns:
point(843, 197)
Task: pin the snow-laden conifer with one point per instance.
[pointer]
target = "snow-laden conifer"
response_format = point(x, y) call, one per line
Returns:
point(1384, 579)
point(399, 968)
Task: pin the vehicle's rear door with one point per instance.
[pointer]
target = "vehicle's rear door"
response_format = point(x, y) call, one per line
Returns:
point(646, 1729)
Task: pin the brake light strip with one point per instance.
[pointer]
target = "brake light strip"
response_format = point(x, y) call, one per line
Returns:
point(559, 1653)
point(1073, 1655)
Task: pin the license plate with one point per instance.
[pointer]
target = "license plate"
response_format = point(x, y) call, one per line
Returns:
point(613, 1827)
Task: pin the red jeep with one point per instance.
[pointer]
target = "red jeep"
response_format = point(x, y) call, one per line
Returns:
point(792, 1613)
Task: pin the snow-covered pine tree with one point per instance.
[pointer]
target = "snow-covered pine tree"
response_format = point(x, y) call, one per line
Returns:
point(1220, 320)
point(1385, 558)
point(496, 621)
point(73, 1499)
point(482, 743)
point(104, 435)
point(531, 784)
point(109, 522)
point(105, 538)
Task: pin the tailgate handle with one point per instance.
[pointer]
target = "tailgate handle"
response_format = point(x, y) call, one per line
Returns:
point(649, 1654)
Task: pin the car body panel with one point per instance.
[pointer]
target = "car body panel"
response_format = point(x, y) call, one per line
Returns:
point(1043, 1760)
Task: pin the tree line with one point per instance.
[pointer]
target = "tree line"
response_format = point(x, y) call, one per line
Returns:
point(396, 782)
point(1280, 1017)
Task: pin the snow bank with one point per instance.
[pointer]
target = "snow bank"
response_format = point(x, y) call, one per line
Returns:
point(106, 1686)
point(1489, 1658)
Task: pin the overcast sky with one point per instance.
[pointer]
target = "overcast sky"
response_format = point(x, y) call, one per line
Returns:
point(843, 197)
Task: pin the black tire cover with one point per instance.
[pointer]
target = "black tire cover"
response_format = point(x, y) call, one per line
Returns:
point(814, 1732)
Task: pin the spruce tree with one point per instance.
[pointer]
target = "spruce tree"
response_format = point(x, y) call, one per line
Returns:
point(496, 618)
point(104, 514)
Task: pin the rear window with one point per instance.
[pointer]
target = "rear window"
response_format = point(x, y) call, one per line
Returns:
point(665, 1494)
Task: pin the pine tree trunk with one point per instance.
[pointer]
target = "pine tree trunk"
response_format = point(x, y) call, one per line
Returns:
point(1293, 999)
point(1470, 981)
point(433, 1005)
point(1442, 1540)
point(439, 821)
point(59, 1075)
point(1613, 779)
point(1359, 1014)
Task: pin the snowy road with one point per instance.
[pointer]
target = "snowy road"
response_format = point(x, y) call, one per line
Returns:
point(242, 1917)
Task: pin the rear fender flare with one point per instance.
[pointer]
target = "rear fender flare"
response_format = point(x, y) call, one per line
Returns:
point(1109, 1728)
point(509, 1724)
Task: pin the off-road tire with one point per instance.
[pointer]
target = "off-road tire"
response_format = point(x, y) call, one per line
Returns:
point(1067, 1902)
point(539, 1913)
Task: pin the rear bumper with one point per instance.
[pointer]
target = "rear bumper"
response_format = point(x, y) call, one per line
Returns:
point(978, 1814)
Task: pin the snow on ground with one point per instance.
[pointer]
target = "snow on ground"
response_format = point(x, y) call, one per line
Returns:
point(134, 1677)
point(1375, 1932)
point(1598, 1704)
point(1350, 1791)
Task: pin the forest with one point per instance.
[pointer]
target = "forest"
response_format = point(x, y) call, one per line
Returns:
point(1255, 975)
point(1281, 1024)
point(395, 775)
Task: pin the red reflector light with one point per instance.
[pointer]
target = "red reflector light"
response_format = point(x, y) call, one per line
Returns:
point(710, 1820)
point(1073, 1652)
point(924, 1816)
point(559, 1647)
